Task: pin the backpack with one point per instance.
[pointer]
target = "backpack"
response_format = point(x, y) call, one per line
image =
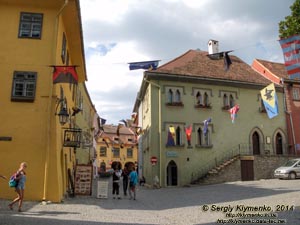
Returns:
point(12, 181)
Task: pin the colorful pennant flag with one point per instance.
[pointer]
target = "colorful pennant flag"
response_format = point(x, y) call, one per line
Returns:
point(65, 74)
point(171, 136)
point(269, 97)
point(290, 48)
point(233, 112)
point(205, 128)
point(188, 132)
point(146, 65)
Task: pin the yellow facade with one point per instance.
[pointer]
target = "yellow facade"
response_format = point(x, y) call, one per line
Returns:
point(112, 148)
point(30, 131)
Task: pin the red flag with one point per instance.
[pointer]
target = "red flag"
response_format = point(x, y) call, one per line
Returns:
point(65, 74)
point(233, 112)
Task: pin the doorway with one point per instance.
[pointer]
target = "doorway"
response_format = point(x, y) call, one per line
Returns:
point(247, 170)
point(172, 174)
point(279, 142)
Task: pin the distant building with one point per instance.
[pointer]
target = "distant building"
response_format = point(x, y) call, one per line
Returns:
point(276, 73)
point(116, 147)
point(175, 100)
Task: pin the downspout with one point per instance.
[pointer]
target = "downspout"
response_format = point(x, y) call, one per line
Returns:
point(290, 114)
point(50, 103)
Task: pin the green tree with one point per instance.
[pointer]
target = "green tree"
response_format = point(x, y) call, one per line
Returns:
point(291, 24)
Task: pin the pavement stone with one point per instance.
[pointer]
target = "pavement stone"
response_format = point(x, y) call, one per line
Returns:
point(171, 206)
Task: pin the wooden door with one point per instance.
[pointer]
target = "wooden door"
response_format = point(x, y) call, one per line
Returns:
point(247, 170)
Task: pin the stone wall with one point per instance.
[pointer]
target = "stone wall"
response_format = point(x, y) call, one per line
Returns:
point(264, 167)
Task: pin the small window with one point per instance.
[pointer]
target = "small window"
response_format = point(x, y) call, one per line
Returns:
point(296, 95)
point(203, 139)
point(30, 25)
point(103, 151)
point(231, 101)
point(116, 152)
point(64, 48)
point(199, 98)
point(170, 96)
point(24, 85)
point(177, 96)
point(129, 153)
point(225, 101)
point(178, 136)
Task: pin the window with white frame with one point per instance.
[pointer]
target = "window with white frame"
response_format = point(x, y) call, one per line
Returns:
point(296, 95)
point(30, 25)
point(24, 86)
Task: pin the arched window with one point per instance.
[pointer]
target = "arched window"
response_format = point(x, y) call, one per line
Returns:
point(205, 100)
point(231, 101)
point(177, 96)
point(199, 136)
point(225, 100)
point(178, 136)
point(170, 96)
point(199, 98)
point(206, 138)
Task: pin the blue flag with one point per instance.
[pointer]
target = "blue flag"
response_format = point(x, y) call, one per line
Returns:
point(205, 128)
point(146, 65)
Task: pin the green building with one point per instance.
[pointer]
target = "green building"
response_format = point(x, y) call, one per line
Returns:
point(185, 92)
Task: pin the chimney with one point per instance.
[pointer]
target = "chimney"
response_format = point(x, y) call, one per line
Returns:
point(213, 46)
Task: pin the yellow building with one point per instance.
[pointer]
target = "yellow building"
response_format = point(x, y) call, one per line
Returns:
point(39, 35)
point(115, 147)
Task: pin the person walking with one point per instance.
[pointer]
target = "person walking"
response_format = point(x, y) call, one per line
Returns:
point(116, 183)
point(125, 180)
point(133, 180)
point(20, 188)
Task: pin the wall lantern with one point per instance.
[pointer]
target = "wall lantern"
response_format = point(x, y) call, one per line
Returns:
point(63, 114)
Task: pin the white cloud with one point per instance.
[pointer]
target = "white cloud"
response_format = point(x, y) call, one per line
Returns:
point(120, 31)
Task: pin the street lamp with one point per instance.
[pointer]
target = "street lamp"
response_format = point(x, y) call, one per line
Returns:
point(63, 113)
point(63, 116)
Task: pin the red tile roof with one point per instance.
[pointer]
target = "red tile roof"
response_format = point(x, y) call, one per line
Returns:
point(277, 69)
point(195, 63)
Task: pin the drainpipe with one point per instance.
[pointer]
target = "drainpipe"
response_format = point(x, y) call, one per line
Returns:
point(290, 114)
point(50, 115)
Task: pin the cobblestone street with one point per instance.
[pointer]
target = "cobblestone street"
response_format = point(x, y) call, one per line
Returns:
point(212, 204)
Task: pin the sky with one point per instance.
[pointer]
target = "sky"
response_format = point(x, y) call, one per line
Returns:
point(117, 32)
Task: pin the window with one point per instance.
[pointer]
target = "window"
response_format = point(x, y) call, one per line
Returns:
point(174, 96)
point(178, 136)
point(296, 95)
point(174, 135)
point(199, 98)
point(231, 101)
point(203, 139)
point(24, 85)
point(129, 153)
point(225, 101)
point(63, 48)
point(30, 25)
point(103, 151)
point(116, 152)
point(177, 96)
point(170, 96)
